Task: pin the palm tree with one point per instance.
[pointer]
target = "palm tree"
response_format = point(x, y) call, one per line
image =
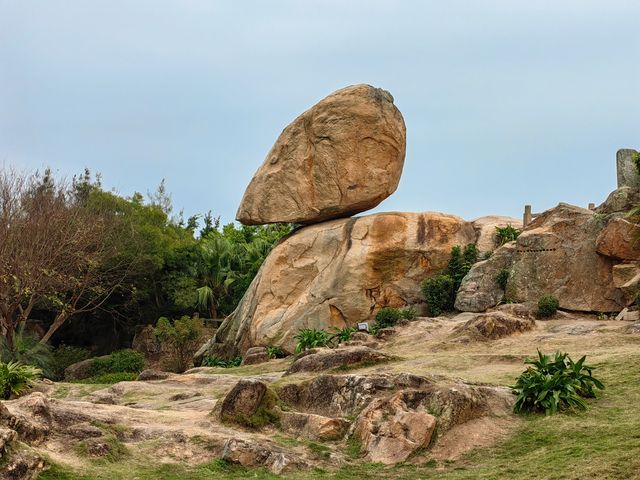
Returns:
point(218, 269)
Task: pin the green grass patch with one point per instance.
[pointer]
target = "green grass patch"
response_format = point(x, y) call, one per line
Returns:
point(108, 378)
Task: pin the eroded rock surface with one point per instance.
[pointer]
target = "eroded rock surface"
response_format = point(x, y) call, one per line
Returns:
point(494, 325)
point(342, 156)
point(568, 252)
point(319, 359)
point(339, 273)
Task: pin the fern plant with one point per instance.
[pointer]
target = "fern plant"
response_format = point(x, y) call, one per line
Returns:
point(554, 383)
point(16, 378)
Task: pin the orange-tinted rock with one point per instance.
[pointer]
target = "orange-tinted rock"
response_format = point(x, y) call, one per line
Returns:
point(340, 273)
point(342, 156)
point(619, 239)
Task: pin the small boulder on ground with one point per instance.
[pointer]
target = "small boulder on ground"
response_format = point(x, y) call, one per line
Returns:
point(264, 454)
point(313, 427)
point(150, 375)
point(255, 355)
point(389, 432)
point(319, 359)
point(243, 400)
point(494, 325)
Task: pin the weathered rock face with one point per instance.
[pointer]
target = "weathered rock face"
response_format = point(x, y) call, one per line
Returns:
point(619, 239)
point(556, 255)
point(342, 156)
point(627, 171)
point(479, 289)
point(339, 273)
point(263, 454)
point(568, 252)
point(319, 359)
point(621, 200)
point(390, 432)
point(313, 427)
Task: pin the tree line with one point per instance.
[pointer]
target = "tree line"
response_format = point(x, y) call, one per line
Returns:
point(79, 264)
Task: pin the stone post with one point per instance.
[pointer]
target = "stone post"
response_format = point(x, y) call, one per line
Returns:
point(527, 217)
point(627, 171)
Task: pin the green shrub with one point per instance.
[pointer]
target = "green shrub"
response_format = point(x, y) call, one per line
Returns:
point(275, 352)
point(121, 361)
point(27, 350)
point(439, 294)
point(108, 378)
point(16, 378)
point(343, 334)
point(311, 338)
point(547, 306)
point(63, 356)
point(636, 161)
point(208, 361)
point(506, 234)
point(388, 317)
point(503, 277)
point(181, 338)
point(408, 313)
point(554, 384)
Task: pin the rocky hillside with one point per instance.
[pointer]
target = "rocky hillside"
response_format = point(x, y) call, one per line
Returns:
point(426, 392)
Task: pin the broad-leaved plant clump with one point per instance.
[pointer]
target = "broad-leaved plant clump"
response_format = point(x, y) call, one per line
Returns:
point(553, 384)
point(506, 234)
point(311, 338)
point(16, 378)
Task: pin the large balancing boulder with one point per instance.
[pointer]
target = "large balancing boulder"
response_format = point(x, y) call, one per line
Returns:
point(342, 156)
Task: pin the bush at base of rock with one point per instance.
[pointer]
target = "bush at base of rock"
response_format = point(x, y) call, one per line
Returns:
point(108, 378)
point(208, 361)
point(16, 378)
point(548, 306)
point(120, 361)
point(181, 337)
point(311, 338)
point(439, 294)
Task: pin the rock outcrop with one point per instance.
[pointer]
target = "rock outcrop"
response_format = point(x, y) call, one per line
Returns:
point(339, 273)
point(319, 359)
point(342, 156)
point(619, 239)
point(568, 252)
point(480, 289)
point(494, 325)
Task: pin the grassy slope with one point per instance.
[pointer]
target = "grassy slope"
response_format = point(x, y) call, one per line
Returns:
point(603, 442)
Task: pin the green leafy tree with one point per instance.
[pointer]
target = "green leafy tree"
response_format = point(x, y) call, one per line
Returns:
point(182, 337)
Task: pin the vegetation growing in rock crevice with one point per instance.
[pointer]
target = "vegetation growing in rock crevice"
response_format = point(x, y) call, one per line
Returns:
point(440, 291)
point(502, 278)
point(506, 234)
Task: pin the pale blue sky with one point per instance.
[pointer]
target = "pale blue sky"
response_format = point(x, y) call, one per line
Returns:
point(506, 102)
